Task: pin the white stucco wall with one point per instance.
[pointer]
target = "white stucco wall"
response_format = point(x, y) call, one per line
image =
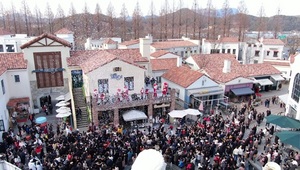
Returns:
point(271, 49)
point(4, 98)
point(178, 88)
point(208, 46)
point(18, 89)
point(168, 55)
point(178, 50)
point(105, 72)
point(203, 82)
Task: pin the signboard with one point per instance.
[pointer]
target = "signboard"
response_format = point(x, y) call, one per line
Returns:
point(48, 70)
point(116, 76)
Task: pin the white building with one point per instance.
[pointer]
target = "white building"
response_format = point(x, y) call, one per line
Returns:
point(15, 94)
point(228, 45)
point(102, 43)
point(67, 35)
point(292, 98)
point(131, 44)
point(12, 42)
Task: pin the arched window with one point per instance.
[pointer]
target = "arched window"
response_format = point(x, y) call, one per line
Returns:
point(296, 88)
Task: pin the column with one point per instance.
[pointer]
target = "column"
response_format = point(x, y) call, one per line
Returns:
point(150, 106)
point(95, 116)
point(173, 98)
point(116, 117)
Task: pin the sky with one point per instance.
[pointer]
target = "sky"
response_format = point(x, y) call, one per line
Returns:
point(287, 7)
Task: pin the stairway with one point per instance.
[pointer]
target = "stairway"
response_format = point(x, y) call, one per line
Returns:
point(79, 101)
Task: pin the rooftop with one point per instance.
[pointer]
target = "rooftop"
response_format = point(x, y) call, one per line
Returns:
point(11, 61)
point(278, 63)
point(173, 44)
point(46, 35)
point(159, 53)
point(183, 76)
point(109, 41)
point(225, 40)
point(163, 64)
point(130, 42)
point(272, 42)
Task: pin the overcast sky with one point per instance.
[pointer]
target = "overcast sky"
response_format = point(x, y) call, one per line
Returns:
point(287, 7)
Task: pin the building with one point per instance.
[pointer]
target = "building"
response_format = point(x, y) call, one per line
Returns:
point(283, 66)
point(15, 104)
point(67, 35)
point(193, 87)
point(102, 43)
point(228, 45)
point(238, 80)
point(131, 44)
point(292, 98)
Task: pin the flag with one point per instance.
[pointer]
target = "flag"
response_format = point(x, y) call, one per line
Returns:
point(201, 106)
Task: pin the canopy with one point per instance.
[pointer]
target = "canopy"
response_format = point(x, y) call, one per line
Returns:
point(178, 113)
point(277, 77)
point(61, 97)
point(284, 98)
point(63, 103)
point(193, 112)
point(134, 115)
point(271, 166)
point(263, 82)
point(40, 120)
point(242, 91)
point(289, 137)
point(283, 121)
point(62, 115)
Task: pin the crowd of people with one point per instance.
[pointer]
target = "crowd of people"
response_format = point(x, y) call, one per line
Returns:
point(215, 141)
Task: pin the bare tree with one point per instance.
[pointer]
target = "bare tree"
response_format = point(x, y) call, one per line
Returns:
point(136, 19)
point(38, 20)
point(277, 23)
point(123, 16)
point(2, 15)
point(25, 11)
point(152, 13)
point(13, 12)
point(72, 14)
point(166, 12)
point(50, 18)
point(214, 23)
point(98, 20)
point(111, 18)
point(242, 20)
point(195, 17)
point(208, 15)
point(261, 25)
point(293, 42)
point(173, 18)
point(180, 5)
point(226, 18)
point(86, 21)
point(200, 23)
point(60, 15)
point(161, 23)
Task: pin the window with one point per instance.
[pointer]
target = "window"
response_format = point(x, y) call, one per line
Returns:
point(228, 51)
point(296, 88)
point(268, 53)
point(48, 60)
point(103, 86)
point(158, 79)
point(255, 45)
point(129, 83)
point(195, 51)
point(256, 53)
point(233, 51)
point(1, 48)
point(223, 50)
point(117, 69)
point(2, 127)
point(275, 54)
point(17, 78)
point(2, 85)
point(214, 51)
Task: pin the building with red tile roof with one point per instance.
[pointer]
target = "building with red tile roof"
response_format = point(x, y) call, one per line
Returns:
point(273, 41)
point(49, 36)
point(12, 61)
point(131, 44)
point(163, 64)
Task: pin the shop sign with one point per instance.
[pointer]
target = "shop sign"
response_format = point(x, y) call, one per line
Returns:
point(204, 91)
point(48, 70)
point(116, 76)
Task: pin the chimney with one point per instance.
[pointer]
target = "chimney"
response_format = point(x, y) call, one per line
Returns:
point(219, 37)
point(226, 68)
point(179, 61)
point(145, 46)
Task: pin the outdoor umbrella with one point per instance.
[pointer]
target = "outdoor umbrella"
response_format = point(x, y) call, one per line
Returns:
point(40, 120)
point(290, 137)
point(193, 112)
point(62, 109)
point(283, 121)
point(61, 97)
point(62, 115)
point(177, 113)
point(62, 104)
point(272, 166)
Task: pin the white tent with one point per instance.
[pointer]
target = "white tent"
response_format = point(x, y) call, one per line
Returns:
point(193, 112)
point(62, 115)
point(178, 113)
point(134, 115)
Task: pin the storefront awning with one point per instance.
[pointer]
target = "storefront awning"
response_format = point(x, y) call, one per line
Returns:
point(134, 115)
point(206, 91)
point(242, 91)
point(284, 98)
point(277, 77)
point(263, 82)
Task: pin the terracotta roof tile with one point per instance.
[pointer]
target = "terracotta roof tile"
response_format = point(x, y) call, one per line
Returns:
point(225, 40)
point(64, 31)
point(131, 42)
point(278, 63)
point(163, 64)
point(272, 42)
point(4, 32)
point(89, 60)
point(182, 76)
point(159, 53)
point(46, 35)
point(11, 61)
point(172, 44)
point(213, 65)
point(109, 41)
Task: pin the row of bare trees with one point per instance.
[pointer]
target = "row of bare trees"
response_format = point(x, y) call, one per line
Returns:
point(173, 21)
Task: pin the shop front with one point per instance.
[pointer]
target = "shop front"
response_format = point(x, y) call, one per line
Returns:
point(263, 84)
point(19, 110)
point(239, 92)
